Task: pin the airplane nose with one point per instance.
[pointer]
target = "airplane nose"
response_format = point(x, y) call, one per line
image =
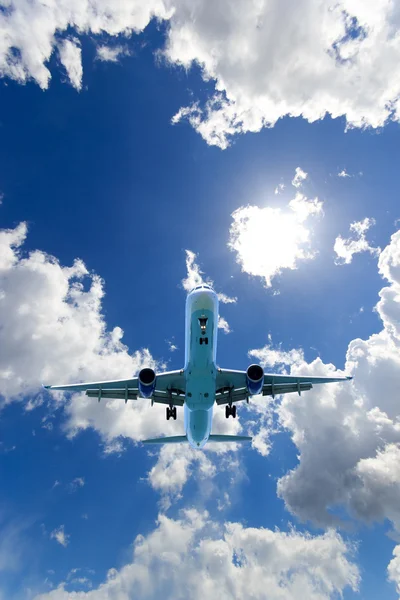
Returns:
point(203, 300)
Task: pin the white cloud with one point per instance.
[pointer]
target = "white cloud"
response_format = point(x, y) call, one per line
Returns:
point(299, 177)
point(194, 274)
point(224, 325)
point(224, 299)
point(237, 561)
point(279, 188)
point(267, 240)
point(343, 173)
point(30, 30)
point(53, 329)
point(348, 435)
point(346, 248)
point(71, 58)
point(267, 62)
point(110, 53)
point(270, 357)
point(60, 536)
point(394, 568)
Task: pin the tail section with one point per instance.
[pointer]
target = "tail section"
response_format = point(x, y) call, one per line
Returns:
point(229, 438)
point(175, 439)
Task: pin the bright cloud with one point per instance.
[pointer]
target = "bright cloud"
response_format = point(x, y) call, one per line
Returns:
point(224, 325)
point(299, 177)
point(270, 357)
point(71, 58)
point(348, 435)
point(226, 299)
point(52, 325)
point(343, 173)
point(346, 248)
point(266, 62)
point(60, 536)
point(110, 53)
point(267, 240)
point(237, 561)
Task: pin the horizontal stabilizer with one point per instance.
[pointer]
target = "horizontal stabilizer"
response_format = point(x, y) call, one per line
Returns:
point(175, 439)
point(229, 438)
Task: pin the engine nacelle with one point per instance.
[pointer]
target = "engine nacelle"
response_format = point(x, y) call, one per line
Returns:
point(255, 379)
point(147, 382)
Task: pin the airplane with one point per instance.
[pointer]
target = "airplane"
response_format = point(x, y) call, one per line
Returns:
point(201, 383)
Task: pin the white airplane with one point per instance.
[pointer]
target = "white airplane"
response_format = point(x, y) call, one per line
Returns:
point(201, 383)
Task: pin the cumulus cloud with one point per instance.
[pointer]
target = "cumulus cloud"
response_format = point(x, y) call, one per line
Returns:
point(346, 248)
point(279, 188)
point(30, 31)
point(53, 329)
point(238, 561)
point(110, 53)
point(265, 62)
point(71, 58)
point(60, 536)
point(348, 435)
point(343, 173)
point(267, 240)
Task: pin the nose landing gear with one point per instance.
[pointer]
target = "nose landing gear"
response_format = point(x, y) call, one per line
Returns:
point(171, 413)
point(230, 411)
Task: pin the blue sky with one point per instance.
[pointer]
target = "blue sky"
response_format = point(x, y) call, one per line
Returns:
point(138, 154)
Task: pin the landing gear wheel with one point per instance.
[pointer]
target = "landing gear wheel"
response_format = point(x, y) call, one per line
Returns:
point(233, 411)
point(168, 413)
point(173, 411)
point(227, 411)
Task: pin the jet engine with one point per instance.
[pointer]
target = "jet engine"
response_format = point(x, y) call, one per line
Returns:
point(147, 382)
point(255, 379)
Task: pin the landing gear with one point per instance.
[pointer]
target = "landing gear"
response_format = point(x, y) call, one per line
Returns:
point(204, 341)
point(230, 411)
point(171, 413)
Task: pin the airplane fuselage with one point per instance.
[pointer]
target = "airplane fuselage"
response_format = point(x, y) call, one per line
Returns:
point(200, 363)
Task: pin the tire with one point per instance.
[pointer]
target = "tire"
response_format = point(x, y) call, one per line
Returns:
point(227, 411)
point(168, 413)
point(234, 411)
point(174, 413)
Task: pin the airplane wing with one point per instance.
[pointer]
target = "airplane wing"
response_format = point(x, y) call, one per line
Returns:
point(231, 385)
point(170, 388)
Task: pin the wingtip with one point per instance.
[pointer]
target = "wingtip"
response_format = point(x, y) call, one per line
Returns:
point(46, 387)
point(349, 377)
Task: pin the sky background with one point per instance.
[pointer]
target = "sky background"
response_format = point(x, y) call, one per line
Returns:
point(143, 150)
